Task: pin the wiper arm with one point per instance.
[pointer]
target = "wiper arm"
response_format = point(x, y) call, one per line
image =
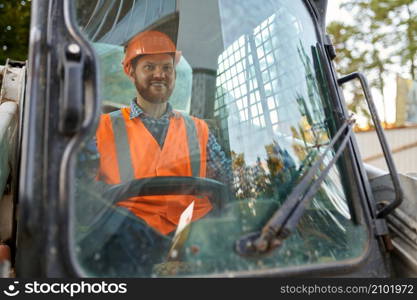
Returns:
point(286, 218)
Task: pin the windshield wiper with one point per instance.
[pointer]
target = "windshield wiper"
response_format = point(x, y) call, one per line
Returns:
point(286, 218)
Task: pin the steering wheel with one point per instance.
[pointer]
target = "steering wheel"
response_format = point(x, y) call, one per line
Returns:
point(216, 191)
point(109, 222)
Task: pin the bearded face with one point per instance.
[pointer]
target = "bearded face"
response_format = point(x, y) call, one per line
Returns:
point(154, 77)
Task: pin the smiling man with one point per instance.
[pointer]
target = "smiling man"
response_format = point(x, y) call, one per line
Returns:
point(154, 78)
point(151, 139)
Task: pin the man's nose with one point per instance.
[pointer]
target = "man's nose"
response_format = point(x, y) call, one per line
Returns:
point(159, 73)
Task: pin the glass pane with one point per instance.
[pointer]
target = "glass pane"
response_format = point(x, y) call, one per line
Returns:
point(160, 193)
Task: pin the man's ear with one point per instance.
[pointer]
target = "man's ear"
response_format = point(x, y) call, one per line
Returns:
point(131, 74)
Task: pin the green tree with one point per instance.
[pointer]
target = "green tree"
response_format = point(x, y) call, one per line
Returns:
point(383, 24)
point(375, 41)
point(401, 16)
point(14, 29)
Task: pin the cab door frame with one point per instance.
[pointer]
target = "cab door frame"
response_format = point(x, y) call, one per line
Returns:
point(60, 114)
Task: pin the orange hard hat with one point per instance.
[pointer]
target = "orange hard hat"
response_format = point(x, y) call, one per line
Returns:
point(149, 42)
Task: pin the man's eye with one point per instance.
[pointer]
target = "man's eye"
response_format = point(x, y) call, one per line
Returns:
point(168, 69)
point(148, 67)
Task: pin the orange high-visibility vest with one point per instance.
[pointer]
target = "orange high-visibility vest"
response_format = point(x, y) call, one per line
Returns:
point(147, 159)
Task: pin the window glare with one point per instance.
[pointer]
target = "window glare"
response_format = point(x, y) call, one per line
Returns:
point(251, 72)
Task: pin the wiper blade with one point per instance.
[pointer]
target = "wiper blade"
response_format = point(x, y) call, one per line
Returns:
point(286, 218)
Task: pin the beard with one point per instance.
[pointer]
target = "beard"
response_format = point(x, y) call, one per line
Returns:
point(154, 94)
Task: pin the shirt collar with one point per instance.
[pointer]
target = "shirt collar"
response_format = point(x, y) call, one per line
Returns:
point(137, 111)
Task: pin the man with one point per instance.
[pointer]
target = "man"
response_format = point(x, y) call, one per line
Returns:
point(147, 139)
point(150, 139)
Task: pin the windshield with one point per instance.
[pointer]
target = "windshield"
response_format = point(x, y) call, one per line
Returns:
point(217, 112)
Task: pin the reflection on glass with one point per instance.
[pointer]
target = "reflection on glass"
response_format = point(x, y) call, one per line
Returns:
point(256, 80)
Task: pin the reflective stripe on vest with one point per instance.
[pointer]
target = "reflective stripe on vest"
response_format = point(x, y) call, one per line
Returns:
point(124, 157)
point(193, 145)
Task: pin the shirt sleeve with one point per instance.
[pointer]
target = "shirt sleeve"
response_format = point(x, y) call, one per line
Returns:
point(218, 165)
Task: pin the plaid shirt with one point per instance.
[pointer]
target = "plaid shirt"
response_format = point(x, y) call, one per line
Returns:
point(218, 166)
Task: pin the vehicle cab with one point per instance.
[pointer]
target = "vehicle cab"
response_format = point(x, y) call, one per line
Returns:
point(259, 73)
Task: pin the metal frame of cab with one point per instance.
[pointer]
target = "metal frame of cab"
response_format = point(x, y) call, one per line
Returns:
point(48, 147)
